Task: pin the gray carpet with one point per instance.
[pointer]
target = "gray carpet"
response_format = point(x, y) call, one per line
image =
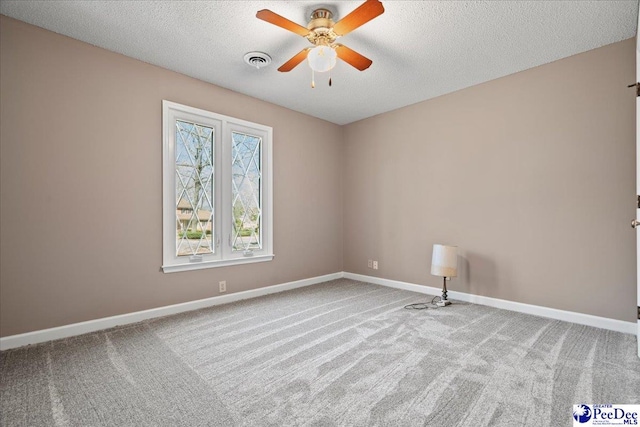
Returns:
point(342, 353)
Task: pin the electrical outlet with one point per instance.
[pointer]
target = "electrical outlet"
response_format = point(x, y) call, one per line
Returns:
point(370, 264)
point(375, 265)
point(223, 286)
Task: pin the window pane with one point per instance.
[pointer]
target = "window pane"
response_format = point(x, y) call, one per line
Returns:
point(246, 192)
point(194, 189)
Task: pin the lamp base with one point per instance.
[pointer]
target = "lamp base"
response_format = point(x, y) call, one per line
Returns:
point(443, 300)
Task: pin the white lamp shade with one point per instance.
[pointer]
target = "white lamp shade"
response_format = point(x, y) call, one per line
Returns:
point(444, 262)
point(322, 58)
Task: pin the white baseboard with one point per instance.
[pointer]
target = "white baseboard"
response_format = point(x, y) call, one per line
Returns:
point(74, 329)
point(552, 313)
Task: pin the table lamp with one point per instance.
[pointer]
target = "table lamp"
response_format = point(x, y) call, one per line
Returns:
point(444, 263)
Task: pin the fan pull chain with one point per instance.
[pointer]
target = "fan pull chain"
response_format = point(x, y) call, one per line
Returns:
point(313, 83)
point(329, 78)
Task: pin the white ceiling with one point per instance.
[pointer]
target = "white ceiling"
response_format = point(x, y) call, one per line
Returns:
point(420, 49)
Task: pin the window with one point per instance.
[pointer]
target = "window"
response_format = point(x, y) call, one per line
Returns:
point(217, 190)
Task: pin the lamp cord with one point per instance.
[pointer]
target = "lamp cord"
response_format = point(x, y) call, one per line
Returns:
point(424, 305)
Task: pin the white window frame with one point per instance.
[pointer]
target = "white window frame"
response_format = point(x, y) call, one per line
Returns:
point(223, 219)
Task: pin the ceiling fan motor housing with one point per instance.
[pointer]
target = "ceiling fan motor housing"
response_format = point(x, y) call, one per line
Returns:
point(321, 28)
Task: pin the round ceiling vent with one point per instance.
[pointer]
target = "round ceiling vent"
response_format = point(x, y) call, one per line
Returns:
point(257, 59)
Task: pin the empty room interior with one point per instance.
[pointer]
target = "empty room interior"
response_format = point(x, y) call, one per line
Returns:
point(339, 213)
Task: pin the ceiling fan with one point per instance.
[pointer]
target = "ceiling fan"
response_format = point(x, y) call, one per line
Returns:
point(322, 32)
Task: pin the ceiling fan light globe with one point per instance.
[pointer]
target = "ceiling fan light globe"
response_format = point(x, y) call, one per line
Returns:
point(322, 58)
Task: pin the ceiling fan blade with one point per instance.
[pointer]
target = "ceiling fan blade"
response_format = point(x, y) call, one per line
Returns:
point(360, 16)
point(293, 62)
point(281, 21)
point(353, 58)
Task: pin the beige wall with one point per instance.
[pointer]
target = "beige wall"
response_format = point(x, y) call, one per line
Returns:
point(81, 195)
point(531, 175)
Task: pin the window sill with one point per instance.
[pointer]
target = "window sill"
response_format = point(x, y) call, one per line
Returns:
point(212, 264)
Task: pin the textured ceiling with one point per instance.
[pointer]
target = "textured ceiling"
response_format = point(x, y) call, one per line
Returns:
point(420, 49)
